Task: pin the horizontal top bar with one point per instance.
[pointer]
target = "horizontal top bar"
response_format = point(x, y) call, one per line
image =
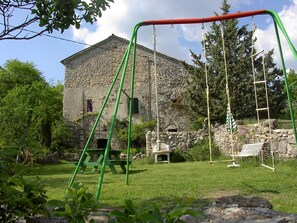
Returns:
point(204, 20)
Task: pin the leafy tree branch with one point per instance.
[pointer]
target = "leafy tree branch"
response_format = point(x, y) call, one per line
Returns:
point(49, 15)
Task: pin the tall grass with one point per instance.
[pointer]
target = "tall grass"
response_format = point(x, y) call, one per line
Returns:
point(163, 183)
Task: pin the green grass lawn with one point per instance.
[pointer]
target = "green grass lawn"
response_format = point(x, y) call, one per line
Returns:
point(163, 183)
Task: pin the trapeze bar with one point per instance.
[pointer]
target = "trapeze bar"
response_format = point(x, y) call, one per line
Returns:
point(261, 109)
point(221, 161)
point(256, 54)
point(259, 82)
point(204, 20)
point(269, 167)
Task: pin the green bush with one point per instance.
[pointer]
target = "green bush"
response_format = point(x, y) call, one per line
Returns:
point(138, 131)
point(198, 123)
point(77, 204)
point(150, 159)
point(150, 213)
point(177, 155)
point(62, 137)
point(200, 151)
point(18, 197)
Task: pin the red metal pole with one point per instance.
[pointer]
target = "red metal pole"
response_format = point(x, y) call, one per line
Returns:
point(204, 20)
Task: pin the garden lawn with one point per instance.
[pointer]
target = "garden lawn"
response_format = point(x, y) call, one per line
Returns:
point(164, 183)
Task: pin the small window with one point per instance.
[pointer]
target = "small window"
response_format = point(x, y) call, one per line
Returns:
point(89, 105)
point(101, 143)
point(135, 108)
point(171, 128)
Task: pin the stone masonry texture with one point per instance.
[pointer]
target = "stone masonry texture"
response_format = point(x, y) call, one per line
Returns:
point(89, 74)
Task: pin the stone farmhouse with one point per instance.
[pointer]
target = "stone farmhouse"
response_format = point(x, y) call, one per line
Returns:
point(89, 73)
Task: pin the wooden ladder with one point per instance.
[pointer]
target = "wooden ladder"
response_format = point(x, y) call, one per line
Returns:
point(258, 83)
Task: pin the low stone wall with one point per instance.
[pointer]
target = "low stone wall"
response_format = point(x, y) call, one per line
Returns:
point(282, 143)
point(181, 140)
point(283, 140)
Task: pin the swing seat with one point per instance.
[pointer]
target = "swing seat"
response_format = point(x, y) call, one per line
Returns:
point(164, 150)
point(248, 150)
point(253, 149)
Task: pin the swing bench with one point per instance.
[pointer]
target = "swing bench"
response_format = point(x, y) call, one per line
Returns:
point(248, 150)
point(253, 149)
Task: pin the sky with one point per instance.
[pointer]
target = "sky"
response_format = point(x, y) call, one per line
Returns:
point(175, 41)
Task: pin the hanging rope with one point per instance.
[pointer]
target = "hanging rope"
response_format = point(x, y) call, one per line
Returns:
point(229, 113)
point(207, 92)
point(156, 87)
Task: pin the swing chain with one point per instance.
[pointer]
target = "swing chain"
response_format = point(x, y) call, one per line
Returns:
point(222, 30)
point(154, 34)
point(253, 24)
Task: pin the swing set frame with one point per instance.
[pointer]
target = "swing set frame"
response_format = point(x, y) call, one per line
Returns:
point(131, 49)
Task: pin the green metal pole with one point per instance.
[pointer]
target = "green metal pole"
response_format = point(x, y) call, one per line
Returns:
point(131, 107)
point(115, 114)
point(96, 122)
point(278, 22)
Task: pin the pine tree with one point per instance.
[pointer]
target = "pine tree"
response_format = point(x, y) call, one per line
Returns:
point(238, 49)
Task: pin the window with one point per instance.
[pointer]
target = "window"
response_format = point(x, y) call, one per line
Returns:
point(101, 143)
point(135, 106)
point(89, 105)
point(171, 128)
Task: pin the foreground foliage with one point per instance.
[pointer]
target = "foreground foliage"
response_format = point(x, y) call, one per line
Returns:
point(76, 205)
point(19, 198)
point(150, 213)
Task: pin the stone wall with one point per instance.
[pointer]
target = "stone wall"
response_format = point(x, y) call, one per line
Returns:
point(89, 73)
point(180, 140)
point(283, 140)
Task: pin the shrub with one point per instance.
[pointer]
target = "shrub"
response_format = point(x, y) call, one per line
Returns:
point(149, 213)
point(177, 155)
point(138, 132)
point(200, 151)
point(77, 204)
point(18, 197)
point(150, 159)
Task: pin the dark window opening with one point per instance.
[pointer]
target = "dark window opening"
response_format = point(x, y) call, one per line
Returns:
point(172, 130)
point(89, 105)
point(101, 143)
point(135, 106)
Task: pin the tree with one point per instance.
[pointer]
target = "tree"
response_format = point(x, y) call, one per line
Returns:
point(292, 82)
point(30, 109)
point(49, 15)
point(238, 49)
point(16, 73)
